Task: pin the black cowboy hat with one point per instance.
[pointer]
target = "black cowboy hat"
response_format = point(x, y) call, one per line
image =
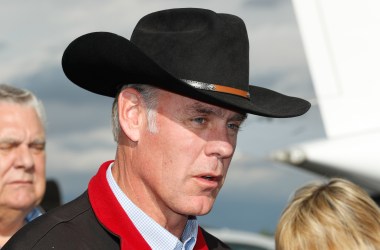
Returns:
point(193, 52)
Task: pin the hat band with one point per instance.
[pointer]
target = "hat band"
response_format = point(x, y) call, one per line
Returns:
point(217, 88)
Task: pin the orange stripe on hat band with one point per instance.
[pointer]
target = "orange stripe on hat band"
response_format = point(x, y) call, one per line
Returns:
point(217, 88)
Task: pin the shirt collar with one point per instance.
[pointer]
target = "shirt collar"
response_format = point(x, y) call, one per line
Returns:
point(36, 211)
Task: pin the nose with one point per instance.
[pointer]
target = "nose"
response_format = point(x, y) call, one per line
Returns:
point(220, 144)
point(23, 157)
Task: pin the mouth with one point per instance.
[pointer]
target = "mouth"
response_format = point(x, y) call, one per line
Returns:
point(21, 182)
point(209, 181)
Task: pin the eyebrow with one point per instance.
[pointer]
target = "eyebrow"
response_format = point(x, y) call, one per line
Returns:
point(240, 117)
point(39, 141)
point(200, 108)
point(8, 140)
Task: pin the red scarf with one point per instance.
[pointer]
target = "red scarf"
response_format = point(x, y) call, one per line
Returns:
point(112, 216)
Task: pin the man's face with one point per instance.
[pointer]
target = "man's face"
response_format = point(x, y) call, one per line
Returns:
point(186, 161)
point(22, 157)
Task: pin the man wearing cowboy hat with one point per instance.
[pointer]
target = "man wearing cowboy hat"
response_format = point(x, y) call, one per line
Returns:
point(181, 93)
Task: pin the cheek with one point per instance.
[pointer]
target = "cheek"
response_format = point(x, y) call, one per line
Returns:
point(39, 173)
point(182, 139)
point(176, 144)
point(39, 162)
point(180, 157)
point(2, 191)
point(227, 163)
point(6, 163)
point(40, 190)
point(7, 173)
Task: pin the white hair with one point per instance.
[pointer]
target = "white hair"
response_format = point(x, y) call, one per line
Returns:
point(10, 94)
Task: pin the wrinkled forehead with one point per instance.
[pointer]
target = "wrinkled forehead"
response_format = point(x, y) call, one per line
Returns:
point(16, 117)
point(13, 109)
point(30, 106)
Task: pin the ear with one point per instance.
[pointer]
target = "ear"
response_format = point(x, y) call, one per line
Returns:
point(130, 113)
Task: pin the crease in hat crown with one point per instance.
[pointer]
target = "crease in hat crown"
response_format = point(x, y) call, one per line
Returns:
point(197, 45)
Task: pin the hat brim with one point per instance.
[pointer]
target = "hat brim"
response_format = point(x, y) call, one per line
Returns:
point(102, 62)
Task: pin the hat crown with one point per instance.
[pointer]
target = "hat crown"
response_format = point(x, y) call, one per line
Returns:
point(197, 44)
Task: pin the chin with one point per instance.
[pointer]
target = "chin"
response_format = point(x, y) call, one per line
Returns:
point(23, 202)
point(22, 206)
point(201, 210)
point(203, 213)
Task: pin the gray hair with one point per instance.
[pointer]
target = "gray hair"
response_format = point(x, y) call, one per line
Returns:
point(24, 97)
point(149, 95)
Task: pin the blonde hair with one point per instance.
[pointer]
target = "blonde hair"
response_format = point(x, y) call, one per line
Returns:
point(332, 216)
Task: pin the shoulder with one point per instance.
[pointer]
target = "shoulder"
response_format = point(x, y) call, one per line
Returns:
point(72, 225)
point(213, 242)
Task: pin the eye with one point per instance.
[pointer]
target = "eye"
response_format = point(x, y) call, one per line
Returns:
point(199, 120)
point(37, 147)
point(6, 146)
point(234, 126)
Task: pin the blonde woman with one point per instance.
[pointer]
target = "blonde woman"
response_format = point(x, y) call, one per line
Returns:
point(336, 215)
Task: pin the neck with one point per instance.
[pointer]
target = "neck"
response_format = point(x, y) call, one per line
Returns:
point(10, 221)
point(134, 188)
